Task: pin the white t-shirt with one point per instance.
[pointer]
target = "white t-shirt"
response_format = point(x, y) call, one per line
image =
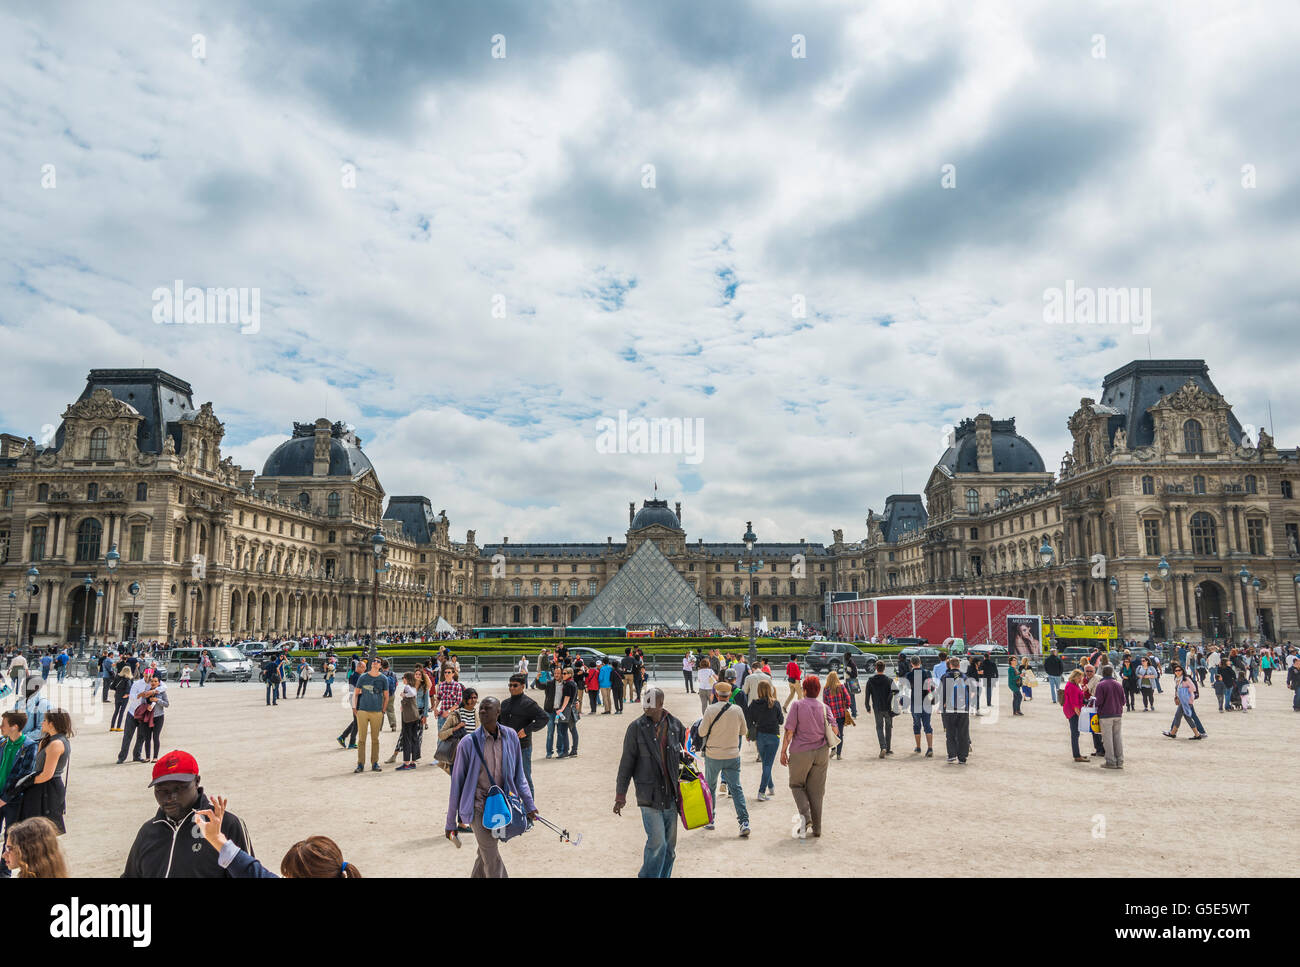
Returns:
point(408, 691)
point(688, 663)
point(705, 677)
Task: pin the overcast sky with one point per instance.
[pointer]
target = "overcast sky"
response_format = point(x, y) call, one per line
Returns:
point(1151, 146)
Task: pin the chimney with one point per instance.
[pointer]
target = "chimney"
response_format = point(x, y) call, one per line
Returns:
point(984, 442)
point(678, 511)
point(631, 512)
point(505, 541)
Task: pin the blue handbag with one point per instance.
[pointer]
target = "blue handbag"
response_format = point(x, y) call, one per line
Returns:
point(503, 812)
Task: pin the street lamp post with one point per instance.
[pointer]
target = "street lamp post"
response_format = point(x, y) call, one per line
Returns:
point(377, 543)
point(134, 590)
point(1200, 612)
point(1114, 598)
point(1245, 576)
point(1146, 586)
point(32, 591)
point(1046, 554)
point(88, 592)
point(428, 608)
point(751, 567)
point(1259, 615)
point(111, 561)
point(297, 607)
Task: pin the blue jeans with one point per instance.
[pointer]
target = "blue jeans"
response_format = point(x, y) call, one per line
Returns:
point(768, 746)
point(566, 730)
point(62, 673)
point(660, 842)
point(1158, 688)
point(272, 693)
point(551, 723)
point(329, 688)
point(203, 675)
point(527, 752)
point(729, 769)
point(284, 689)
point(1054, 681)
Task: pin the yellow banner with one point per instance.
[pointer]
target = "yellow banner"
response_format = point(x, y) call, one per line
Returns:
point(1081, 631)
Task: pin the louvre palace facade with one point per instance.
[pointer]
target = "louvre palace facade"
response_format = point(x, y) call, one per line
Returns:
point(1159, 471)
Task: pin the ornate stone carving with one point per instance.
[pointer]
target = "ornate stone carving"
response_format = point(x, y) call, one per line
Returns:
point(1121, 440)
point(169, 445)
point(99, 405)
point(1190, 398)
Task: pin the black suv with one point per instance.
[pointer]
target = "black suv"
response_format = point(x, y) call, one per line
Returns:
point(832, 655)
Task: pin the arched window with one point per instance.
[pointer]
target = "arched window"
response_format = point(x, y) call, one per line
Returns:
point(1087, 448)
point(516, 612)
point(89, 532)
point(1198, 484)
point(794, 614)
point(1148, 484)
point(718, 612)
point(537, 614)
point(304, 500)
point(459, 613)
point(1251, 486)
point(736, 613)
point(1004, 495)
point(203, 454)
point(555, 614)
point(972, 501)
point(486, 613)
point(141, 492)
point(1192, 442)
point(333, 505)
point(1205, 541)
point(99, 444)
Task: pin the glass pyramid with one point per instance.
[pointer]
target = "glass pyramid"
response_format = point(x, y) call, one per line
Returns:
point(648, 592)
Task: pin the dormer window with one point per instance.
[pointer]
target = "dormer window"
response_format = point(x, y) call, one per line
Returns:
point(99, 444)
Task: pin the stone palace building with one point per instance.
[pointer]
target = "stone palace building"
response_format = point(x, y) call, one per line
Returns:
point(1159, 471)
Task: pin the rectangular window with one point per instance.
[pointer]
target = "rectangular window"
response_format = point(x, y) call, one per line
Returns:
point(1255, 535)
point(1151, 531)
point(38, 543)
point(137, 543)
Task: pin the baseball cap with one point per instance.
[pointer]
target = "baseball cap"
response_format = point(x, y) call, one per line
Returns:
point(175, 767)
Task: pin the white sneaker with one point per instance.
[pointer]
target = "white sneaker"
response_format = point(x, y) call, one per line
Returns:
point(744, 830)
point(710, 826)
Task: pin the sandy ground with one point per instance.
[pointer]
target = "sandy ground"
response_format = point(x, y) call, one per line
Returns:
point(1020, 807)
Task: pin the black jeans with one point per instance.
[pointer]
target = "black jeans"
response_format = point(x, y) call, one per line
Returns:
point(636, 684)
point(106, 684)
point(302, 687)
point(690, 687)
point(1074, 734)
point(884, 728)
point(119, 710)
point(350, 733)
point(594, 696)
point(1016, 698)
point(132, 727)
point(618, 697)
point(1148, 699)
point(153, 737)
point(956, 728)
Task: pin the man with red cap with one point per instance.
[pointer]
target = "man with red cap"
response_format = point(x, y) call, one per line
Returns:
point(171, 844)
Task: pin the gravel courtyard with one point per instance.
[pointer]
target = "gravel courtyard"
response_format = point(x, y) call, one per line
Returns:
point(1020, 807)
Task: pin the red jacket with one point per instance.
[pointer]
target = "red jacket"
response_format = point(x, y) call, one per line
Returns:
point(792, 671)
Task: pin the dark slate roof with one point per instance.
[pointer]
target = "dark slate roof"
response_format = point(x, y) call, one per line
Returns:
point(904, 515)
point(419, 522)
point(549, 550)
point(655, 512)
point(1133, 389)
point(161, 398)
point(1012, 453)
point(295, 456)
point(772, 550)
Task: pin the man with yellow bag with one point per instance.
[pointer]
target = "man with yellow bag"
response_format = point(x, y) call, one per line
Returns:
point(653, 757)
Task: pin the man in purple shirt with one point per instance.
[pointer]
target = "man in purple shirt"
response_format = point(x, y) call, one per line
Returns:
point(1110, 713)
point(498, 749)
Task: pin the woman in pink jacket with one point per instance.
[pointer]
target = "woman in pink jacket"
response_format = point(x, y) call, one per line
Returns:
point(1072, 705)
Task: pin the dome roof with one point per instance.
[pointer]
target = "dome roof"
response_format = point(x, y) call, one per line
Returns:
point(1012, 453)
point(295, 457)
point(655, 512)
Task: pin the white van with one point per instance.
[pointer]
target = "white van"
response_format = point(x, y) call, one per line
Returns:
point(228, 664)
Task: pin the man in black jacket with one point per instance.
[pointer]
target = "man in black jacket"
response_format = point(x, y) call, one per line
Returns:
point(521, 713)
point(172, 844)
point(1054, 668)
point(652, 757)
point(879, 700)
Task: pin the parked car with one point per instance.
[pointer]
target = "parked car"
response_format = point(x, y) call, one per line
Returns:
point(991, 648)
point(832, 655)
point(589, 655)
point(228, 664)
point(1073, 655)
point(928, 654)
point(911, 642)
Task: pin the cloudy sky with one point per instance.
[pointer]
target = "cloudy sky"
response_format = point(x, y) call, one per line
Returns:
point(466, 256)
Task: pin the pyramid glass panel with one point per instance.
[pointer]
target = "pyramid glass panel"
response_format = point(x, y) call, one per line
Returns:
point(648, 592)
